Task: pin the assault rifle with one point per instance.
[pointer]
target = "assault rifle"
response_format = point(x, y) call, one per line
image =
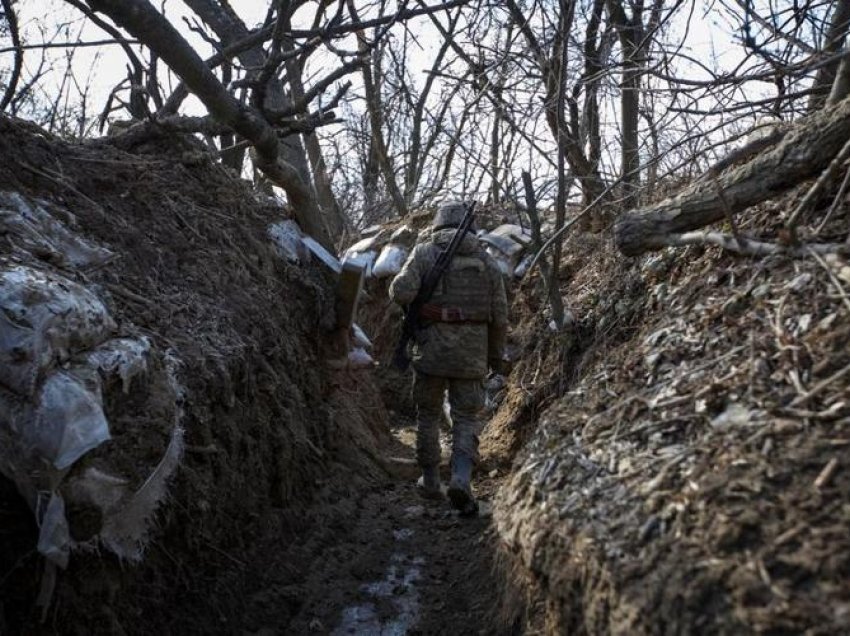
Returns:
point(401, 360)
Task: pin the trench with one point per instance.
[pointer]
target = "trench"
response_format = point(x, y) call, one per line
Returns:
point(405, 564)
point(293, 509)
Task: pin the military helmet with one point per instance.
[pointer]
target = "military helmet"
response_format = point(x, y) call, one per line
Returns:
point(450, 214)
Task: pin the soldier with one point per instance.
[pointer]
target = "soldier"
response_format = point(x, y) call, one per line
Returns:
point(461, 332)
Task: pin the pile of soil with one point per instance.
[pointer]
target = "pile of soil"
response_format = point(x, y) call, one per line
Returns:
point(270, 431)
point(689, 473)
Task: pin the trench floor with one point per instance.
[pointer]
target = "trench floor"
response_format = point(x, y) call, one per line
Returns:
point(407, 565)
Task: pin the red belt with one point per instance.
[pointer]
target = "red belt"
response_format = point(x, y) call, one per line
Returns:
point(438, 313)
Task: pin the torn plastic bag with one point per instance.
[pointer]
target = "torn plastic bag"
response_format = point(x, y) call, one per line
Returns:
point(32, 228)
point(44, 318)
point(124, 357)
point(54, 538)
point(523, 266)
point(288, 241)
point(390, 261)
point(360, 337)
point(502, 261)
point(125, 529)
point(358, 357)
point(69, 419)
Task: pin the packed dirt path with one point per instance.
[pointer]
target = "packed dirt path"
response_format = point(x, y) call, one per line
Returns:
point(405, 564)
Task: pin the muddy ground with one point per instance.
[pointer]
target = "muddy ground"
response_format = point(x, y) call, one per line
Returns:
point(408, 565)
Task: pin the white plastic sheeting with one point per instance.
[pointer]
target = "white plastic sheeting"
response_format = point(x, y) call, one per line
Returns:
point(54, 537)
point(58, 357)
point(123, 357)
point(33, 229)
point(69, 419)
point(360, 337)
point(44, 319)
point(359, 357)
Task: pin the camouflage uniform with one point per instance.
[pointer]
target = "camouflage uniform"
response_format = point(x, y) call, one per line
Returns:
point(462, 332)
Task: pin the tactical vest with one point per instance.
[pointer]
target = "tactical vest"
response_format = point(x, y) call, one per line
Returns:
point(463, 294)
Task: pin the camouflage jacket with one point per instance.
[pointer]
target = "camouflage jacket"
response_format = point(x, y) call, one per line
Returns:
point(471, 295)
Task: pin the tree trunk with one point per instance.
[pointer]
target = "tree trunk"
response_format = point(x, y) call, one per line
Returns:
point(630, 31)
point(629, 105)
point(373, 105)
point(833, 41)
point(494, 159)
point(806, 150)
point(841, 83)
point(146, 24)
point(230, 29)
point(334, 219)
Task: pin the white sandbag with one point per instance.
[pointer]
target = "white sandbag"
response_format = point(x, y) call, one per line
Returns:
point(390, 261)
point(288, 241)
point(32, 228)
point(69, 419)
point(44, 318)
point(502, 261)
point(509, 239)
point(405, 236)
point(369, 244)
point(366, 260)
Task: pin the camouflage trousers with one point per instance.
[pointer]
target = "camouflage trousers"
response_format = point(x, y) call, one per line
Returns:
point(466, 398)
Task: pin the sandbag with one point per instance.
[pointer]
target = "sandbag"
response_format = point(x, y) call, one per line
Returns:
point(32, 228)
point(288, 241)
point(45, 318)
point(390, 261)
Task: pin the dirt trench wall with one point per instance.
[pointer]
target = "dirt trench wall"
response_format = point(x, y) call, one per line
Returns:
point(694, 479)
point(268, 428)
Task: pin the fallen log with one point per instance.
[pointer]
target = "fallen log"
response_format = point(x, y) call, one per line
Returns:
point(806, 150)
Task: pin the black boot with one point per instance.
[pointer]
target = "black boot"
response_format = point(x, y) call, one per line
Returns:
point(429, 483)
point(460, 491)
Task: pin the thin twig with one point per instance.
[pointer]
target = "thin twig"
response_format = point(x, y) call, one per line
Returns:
point(820, 386)
point(836, 202)
point(753, 247)
point(66, 45)
point(833, 279)
point(12, 20)
point(815, 190)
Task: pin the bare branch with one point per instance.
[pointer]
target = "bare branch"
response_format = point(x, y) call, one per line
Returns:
point(12, 20)
point(141, 20)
